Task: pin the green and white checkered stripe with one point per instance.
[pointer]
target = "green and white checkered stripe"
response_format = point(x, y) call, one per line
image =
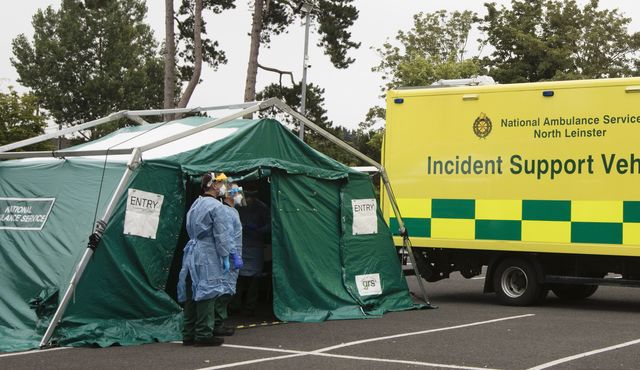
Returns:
point(552, 221)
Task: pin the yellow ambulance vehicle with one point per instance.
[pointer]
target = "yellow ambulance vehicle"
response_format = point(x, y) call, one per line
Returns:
point(540, 182)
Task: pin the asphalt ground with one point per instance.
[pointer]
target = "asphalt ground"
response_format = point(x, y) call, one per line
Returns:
point(468, 330)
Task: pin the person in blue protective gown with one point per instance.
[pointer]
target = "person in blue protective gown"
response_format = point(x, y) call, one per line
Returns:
point(205, 261)
point(234, 198)
point(256, 224)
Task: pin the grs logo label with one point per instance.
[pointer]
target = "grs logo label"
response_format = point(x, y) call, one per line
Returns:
point(369, 284)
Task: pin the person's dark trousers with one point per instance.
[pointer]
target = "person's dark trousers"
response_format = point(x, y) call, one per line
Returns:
point(220, 315)
point(247, 294)
point(198, 318)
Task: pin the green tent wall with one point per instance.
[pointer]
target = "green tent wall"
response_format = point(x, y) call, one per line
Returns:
point(122, 296)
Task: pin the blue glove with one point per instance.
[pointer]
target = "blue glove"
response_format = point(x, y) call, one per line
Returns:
point(237, 261)
point(225, 263)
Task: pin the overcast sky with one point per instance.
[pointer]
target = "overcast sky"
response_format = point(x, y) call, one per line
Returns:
point(349, 93)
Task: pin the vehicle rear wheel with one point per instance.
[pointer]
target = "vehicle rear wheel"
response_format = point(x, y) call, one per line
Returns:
point(573, 292)
point(515, 282)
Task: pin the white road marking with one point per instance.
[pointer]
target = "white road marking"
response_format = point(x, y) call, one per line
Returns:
point(320, 352)
point(264, 349)
point(585, 354)
point(255, 348)
point(250, 362)
point(34, 352)
point(405, 362)
point(326, 349)
point(477, 278)
point(344, 357)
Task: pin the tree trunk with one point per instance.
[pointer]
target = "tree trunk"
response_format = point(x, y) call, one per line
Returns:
point(197, 52)
point(252, 69)
point(169, 59)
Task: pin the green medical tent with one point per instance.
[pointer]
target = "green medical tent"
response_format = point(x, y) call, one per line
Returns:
point(333, 256)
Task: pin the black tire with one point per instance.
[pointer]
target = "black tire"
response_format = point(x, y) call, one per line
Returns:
point(573, 292)
point(515, 282)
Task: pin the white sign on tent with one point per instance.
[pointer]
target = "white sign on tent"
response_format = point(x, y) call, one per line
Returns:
point(24, 213)
point(143, 213)
point(365, 220)
point(369, 284)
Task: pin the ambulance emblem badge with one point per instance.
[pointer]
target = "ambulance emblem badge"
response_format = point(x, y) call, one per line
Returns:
point(482, 126)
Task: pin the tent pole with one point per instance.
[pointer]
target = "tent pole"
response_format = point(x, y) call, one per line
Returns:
point(405, 235)
point(52, 135)
point(94, 241)
point(252, 108)
point(287, 109)
point(64, 153)
point(159, 112)
point(385, 179)
point(67, 296)
point(137, 119)
point(133, 115)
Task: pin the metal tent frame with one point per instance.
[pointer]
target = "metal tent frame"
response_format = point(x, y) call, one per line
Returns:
point(136, 157)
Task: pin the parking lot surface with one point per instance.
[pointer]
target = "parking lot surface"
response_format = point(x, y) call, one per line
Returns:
point(468, 330)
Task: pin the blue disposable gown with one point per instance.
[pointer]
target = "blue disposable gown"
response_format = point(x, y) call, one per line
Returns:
point(235, 227)
point(256, 223)
point(210, 240)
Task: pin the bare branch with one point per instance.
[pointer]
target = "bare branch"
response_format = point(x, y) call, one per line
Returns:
point(270, 69)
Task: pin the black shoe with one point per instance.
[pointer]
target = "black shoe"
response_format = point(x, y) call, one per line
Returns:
point(187, 342)
point(224, 331)
point(209, 342)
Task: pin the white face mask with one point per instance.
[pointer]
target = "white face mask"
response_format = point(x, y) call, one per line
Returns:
point(222, 190)
point(237, 200)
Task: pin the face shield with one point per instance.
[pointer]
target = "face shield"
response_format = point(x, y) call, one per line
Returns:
point(218, 177)
point(238, 195)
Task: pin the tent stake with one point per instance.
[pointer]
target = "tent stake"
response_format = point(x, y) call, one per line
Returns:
point(94, 240)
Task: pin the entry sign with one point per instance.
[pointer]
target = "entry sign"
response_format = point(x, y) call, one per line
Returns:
point(365, 218)
point(369, 284)
point(24, 213)
point(143, 213)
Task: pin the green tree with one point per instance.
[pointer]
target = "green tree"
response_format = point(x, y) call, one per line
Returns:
point(558, 40)
point(185, 52)
point(368, 139)
point(20, 119)
point(434, 49)
point(212, 54)
point(273, 17)
point(91, 58)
